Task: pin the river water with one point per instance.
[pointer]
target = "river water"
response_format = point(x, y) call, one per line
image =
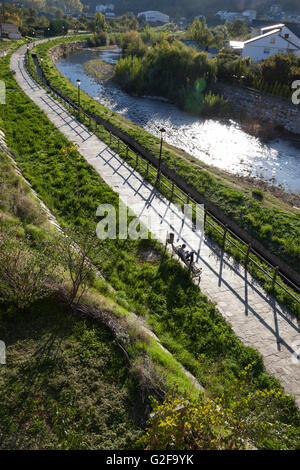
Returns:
point(222, 144)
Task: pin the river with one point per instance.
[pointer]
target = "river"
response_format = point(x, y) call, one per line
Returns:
point(221, 144)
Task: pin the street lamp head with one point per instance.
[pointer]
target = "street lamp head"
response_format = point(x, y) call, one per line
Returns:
point(162, 131)
point(78, 82)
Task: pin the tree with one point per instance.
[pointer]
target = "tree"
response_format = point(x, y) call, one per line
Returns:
point(238, 29)
point(132, 44)
point(100, 22)
point(277, 69)
point(200, 33)
point(75, 250)
point(58, 27)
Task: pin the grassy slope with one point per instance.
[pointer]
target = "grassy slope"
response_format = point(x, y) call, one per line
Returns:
point(66, 384)
point(273, 222)
point(185, 321)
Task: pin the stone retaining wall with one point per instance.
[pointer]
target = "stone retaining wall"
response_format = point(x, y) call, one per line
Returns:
point(263, 106)
point(57, 52)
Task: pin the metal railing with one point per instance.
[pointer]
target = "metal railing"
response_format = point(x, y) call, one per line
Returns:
point(168, 185)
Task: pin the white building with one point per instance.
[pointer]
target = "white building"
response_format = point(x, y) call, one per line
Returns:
point(272, 40)
point(154, 17)
point(231, 16)
point(105, 8)
point(10, 31)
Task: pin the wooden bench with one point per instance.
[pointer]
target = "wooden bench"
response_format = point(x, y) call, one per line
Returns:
point(191, 266)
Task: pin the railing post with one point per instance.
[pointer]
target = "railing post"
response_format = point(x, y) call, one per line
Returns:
point(137, 159)
point(188, 199)
point(118, 145)
point(172, 190)
point(147, 167)
point(205, 216)
point(126, 150)
point(109, 138)
point(247, 255)
point(224, 236)
point(274, 277)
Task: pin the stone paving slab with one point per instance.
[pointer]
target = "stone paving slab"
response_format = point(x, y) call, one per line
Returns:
point(256, 317)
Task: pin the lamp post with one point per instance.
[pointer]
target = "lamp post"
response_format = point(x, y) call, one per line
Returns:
point(78, 88)
point(42, 72)
point(162, 132)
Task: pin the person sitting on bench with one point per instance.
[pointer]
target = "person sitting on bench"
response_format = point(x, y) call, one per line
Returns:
point(184, 254)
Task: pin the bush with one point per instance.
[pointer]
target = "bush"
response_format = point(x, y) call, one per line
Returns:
point(25, 271)
point(258, 194)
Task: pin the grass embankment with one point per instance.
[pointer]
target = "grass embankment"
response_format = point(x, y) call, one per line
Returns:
point(274, 223)
point(66, 384)
point(159, 290)
point(278, 222)
point(6, 44)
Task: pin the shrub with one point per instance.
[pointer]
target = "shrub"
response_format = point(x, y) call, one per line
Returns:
point(258, 194)
point(237, 419)
point(266, 231)
point(25, 272)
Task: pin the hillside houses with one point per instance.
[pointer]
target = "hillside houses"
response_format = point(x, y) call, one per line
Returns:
point(231, 16)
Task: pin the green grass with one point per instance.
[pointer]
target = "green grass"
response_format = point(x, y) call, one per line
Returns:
point(19, 208)
point(185, 321)
point(65, 384)
point(9, 44)
point(238, 204)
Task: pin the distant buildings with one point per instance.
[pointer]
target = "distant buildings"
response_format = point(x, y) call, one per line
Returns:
point(274, 39)
point(107, 10)
point(231, 16)
point(154, 17)
point(10, 31)
point(104, 8)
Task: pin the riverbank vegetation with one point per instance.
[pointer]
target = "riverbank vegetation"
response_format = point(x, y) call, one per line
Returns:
point(172, 70)
point(158, 289)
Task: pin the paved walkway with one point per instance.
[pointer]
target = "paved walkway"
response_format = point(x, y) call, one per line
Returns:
point(257, 319)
